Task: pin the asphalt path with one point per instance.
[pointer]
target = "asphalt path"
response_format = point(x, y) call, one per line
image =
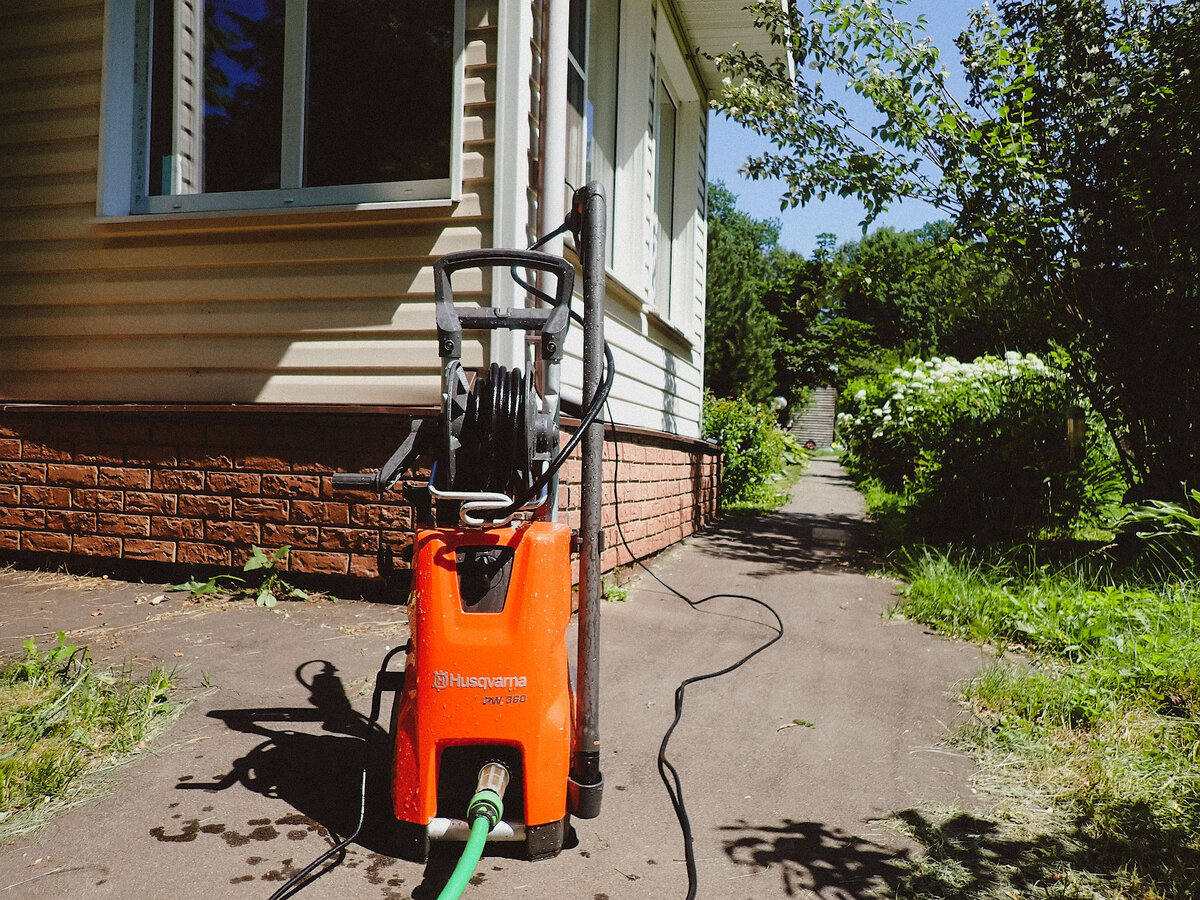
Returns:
point(791, 765)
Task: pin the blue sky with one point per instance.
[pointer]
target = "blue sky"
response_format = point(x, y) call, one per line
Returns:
point(730, 144)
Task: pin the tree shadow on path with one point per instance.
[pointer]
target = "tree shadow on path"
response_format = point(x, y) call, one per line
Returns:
point(815, 860)
point(967, 857)
point(796, 540)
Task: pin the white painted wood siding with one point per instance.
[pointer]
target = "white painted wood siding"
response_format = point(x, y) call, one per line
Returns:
point(660, 362)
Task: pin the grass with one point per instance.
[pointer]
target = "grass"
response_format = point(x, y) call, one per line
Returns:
point(1090, 733)
point(62, 719)
point(771, 498)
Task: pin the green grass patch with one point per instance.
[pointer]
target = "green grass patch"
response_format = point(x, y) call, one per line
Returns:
point(889, 510)
point(771, 496)
point(61, 718)
point(1091, 732)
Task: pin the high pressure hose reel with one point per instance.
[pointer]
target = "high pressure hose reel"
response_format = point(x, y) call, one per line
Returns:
point(499, 433)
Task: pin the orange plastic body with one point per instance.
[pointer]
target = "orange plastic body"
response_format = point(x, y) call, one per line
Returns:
point(495, 678)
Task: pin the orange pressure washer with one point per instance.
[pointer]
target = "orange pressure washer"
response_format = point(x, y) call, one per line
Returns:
point(488, 700)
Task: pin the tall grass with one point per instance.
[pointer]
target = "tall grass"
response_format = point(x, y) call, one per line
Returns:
point(1099, 712)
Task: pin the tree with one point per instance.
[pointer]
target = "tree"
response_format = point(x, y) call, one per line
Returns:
point(739, 331)
point(893, 295)
point(1074, 160)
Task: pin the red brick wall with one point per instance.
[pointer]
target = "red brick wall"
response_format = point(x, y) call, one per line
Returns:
point(668, 490)
point(201, 486)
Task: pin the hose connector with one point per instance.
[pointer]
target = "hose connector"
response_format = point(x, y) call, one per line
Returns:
point(488, 801)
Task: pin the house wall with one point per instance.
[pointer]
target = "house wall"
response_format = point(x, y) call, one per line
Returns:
point(659, 356)
point(317, 306)
point(124, 339)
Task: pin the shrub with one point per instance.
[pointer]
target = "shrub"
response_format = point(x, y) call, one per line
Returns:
point(753, 445)
point(977, 448)
point(1168, 533)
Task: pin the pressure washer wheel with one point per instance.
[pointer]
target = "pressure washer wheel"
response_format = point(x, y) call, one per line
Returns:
point(410, 842)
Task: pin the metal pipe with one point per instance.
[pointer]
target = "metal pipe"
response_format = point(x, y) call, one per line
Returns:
point(552, 166)
point(586, 779)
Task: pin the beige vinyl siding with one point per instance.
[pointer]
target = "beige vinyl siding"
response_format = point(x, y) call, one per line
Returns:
point(309, 306)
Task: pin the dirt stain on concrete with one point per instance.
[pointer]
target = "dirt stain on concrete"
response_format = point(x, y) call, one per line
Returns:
point(376, 863)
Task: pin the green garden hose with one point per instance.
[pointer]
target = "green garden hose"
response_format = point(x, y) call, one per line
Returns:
point(483, 812)
point(461, 876)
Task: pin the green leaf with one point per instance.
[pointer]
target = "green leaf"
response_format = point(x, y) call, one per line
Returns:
point(265, 597)
point(257, 560)
point(198, 588)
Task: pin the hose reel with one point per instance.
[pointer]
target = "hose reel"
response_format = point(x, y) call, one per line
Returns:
point(498, 433)
point(492, 431)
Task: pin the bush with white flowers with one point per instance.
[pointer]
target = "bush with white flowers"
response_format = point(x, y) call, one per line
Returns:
point(976, 447)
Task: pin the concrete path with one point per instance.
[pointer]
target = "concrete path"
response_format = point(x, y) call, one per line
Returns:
point(787, 764)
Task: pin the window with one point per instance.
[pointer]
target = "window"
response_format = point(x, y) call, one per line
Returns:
point(602, 85)
point(666, 140)
point(277, 103)
point(578, 103)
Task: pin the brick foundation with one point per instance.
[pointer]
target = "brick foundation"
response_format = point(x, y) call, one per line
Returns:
point(200, 486)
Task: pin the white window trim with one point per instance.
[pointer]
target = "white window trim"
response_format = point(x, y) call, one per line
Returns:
point(649, 53)
point(122, 140)
point(677, 308)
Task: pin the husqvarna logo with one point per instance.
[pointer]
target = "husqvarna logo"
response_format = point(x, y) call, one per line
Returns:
point(443, 679)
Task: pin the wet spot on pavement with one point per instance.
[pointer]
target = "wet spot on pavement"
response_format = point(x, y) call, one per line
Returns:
point(186, 835)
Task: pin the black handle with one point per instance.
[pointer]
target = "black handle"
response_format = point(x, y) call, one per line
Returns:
point(551, 322)
point(356, 480)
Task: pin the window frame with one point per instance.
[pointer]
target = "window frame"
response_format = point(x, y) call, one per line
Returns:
point(124, 174)
point(604, 105)
point(666, 185)
point(675, 305)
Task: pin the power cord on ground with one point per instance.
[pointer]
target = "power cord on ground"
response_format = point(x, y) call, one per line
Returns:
point(667, 771)
point(301, 879)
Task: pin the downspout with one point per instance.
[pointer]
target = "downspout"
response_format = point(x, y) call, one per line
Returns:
point(585, 783)
point(552, 136)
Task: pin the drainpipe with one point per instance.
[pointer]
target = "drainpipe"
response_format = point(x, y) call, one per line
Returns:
point(552, 142)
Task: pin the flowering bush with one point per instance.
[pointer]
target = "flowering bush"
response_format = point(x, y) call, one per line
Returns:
point(976, 448)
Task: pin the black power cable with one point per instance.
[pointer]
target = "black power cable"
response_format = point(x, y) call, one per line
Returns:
point(301, 879)
point(667, 771)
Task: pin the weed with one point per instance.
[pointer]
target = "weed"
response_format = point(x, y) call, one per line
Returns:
point(1169, 534)
point(267, 587)
point(61, 718)
point(615, 593)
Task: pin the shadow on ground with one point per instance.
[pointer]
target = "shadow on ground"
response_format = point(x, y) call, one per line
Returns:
point(814, 860)
point(797, 540)
point(967, 857)
point(318, 774)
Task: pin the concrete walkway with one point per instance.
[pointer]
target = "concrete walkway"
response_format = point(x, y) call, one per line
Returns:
point(787, 764)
